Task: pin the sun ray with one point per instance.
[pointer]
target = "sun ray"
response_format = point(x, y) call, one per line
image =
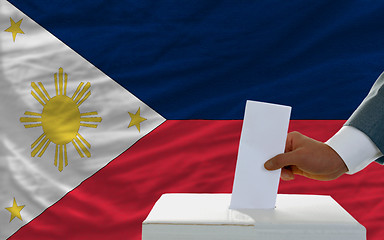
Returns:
point(37, 149)
point(77, 148)
point(30, 119)
point(33, 125)
point(45, 91)
point(56, 152)
point(32, 113)
point(36, 88)
point(85, 150)
point(61, 81)
point(45, 148)
point(84, 141)
point(77, 90)
point(61, 158)
point(85, 98)
point(59, 85)
point(91, 119)
point(56, 87)
point(81, 93)
point(88, 125)
point(65, 155)
point(37, 98)
point(65, 84)
point(37, 140)
point(88, 113)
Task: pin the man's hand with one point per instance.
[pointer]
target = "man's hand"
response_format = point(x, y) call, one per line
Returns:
point(307, 157)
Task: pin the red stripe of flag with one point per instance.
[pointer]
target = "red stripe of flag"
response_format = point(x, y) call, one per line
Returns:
point(195, 156)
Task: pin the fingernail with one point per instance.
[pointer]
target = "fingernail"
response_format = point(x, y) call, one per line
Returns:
point(268, 165)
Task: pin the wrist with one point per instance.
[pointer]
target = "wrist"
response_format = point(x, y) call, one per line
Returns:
point(339, 166)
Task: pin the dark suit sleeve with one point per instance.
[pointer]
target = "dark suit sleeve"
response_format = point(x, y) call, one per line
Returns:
point(369, 116)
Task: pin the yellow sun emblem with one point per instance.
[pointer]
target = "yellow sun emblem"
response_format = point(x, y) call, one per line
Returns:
point(60, 119)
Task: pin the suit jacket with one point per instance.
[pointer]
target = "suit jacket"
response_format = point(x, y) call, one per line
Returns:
point(369, 116)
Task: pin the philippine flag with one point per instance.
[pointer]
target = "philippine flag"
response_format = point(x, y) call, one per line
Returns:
point(106, 105)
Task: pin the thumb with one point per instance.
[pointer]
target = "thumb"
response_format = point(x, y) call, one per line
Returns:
point(281, 160)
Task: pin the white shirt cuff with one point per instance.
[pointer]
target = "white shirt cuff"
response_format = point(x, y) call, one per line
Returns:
point(355, 148)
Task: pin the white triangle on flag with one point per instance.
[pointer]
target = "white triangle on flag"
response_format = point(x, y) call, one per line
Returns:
point(40, 117)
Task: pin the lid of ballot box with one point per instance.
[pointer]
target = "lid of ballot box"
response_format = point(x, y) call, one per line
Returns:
point(213, 209)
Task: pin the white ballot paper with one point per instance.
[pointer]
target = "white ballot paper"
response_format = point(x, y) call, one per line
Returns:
point(263, 136)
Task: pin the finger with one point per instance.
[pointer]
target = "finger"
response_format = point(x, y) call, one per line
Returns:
point(282, 160)
point(287, 174)
point(291, 138)
point(288, 144)
point(289, 141)
point(297, 171)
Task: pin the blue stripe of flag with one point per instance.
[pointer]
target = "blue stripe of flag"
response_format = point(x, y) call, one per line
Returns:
point(203, 59)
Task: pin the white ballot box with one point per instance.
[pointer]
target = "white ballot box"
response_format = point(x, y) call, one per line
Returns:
point(208, 217)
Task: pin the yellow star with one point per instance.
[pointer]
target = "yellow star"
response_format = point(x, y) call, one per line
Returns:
point(15, 210)
point(14, 28)
point(136, 119)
